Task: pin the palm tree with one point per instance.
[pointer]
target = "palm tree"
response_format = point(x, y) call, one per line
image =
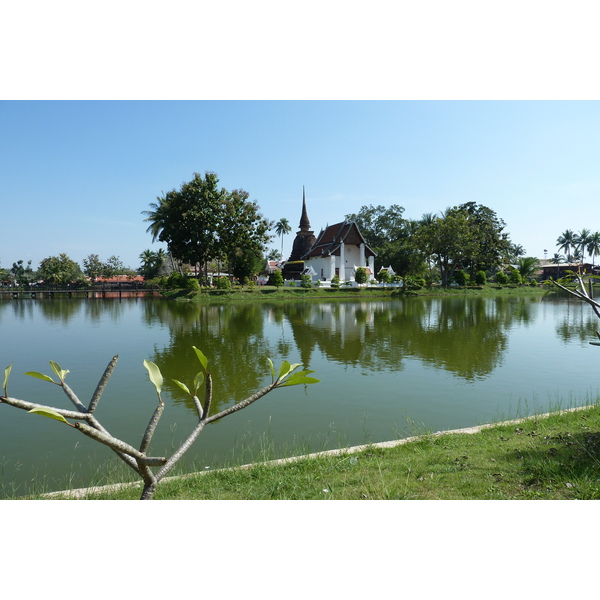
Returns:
point(582, 239)
point(158, 217)
point(517, 250)
point(527, 266)
point(593, 246)
point(282, 227)
point(566, 242)
point(427, 219)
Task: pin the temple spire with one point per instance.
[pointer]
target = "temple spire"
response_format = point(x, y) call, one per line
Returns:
point(304, 222)
point(305, 238)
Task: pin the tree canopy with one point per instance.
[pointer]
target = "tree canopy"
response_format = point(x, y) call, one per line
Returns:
point(468, 236)
point(202, 222)
point(388, 234)
point(59, 270)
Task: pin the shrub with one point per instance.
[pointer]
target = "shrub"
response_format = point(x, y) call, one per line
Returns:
point(384, 276)
point(223, 283)
point(176, 281)
point(501, 278)
point(306, 281)
point(276, 279)
point(361, 275)
point(192, 284)
point(480, 278)
point(413, 283)
point(515, 277)
point(335, 282)
point(461, 278)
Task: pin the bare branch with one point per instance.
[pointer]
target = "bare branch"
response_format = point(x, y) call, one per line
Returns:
point(102, 384)
point(152, 426)
point(182, 450)
point(23, 404)
point(243, 403)
point(118, 445)
point(581, 295)
point(207, 395)
point(198, 406)
point(72, 397)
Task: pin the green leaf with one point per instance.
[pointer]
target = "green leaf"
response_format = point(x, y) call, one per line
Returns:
point(203, 360)
point(6, 376)
point(198, 381)
point(284, 369)
point(40, 376)
point(155, 375)
point(60, 373)
point(272, 367)
point(51, 414)
point(300, 378)
point(183, 386)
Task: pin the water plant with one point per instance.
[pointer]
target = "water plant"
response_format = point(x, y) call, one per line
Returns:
point(151, 469)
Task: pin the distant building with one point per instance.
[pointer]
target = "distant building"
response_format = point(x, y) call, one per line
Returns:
point(388, 270)
point(339, 250)
point(558, 270)
point(272, 266)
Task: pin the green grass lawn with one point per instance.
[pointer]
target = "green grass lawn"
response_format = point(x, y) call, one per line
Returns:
point(553, 458)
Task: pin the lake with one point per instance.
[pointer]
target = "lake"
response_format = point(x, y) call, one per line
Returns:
point(388, 369)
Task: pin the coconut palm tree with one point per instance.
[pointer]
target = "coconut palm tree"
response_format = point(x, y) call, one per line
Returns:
point(566, 242)
point(582, 239)
point(593, 246)
point(527, 266)
point(282, 227)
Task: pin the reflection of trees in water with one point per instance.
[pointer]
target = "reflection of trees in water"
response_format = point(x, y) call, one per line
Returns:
point(579, 323)
point(465, 336)
point(64, 310)
point(231, 336)
point(60, 310)
point(16, 310)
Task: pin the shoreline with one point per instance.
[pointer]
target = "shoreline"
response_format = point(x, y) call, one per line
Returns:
point(82, 493)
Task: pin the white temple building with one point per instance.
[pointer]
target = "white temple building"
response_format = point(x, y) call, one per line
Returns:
point(339, 250)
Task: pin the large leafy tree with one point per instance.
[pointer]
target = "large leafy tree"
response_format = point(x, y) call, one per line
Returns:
point(22, 274)
point(469, 236)
point(447, 242)
point(489, 241)
point(242, 233)
point(187, 219)
point(202, 222)
point(92, 266)
point(388, 234)
point(59, 270)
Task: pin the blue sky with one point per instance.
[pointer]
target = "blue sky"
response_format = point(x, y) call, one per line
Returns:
point(76, 175)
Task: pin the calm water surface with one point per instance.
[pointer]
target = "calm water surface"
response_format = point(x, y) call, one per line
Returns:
point(388, 369)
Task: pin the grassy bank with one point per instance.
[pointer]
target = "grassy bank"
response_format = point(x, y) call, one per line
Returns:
point(555, 457)
point(272, 293)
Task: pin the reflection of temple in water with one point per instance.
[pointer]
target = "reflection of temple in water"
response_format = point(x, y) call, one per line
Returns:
point(465, 338)
point(338, 329)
